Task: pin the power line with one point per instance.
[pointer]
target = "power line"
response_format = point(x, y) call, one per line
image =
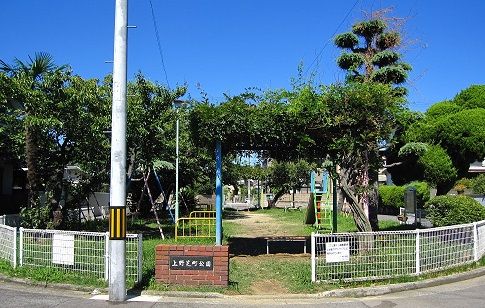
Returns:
point(158, 42)
point(335, 32)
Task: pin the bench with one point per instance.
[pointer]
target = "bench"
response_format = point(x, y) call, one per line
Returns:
point(286, 239)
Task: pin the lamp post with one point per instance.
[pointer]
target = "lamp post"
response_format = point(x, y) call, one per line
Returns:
point(177, 104)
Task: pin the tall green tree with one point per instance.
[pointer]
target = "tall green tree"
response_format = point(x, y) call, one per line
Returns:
point(284, 177)
point(28, 77)
point(151, 135)
point(454, 130)
point(361, 117)
point(369, 56)
point(11, 125)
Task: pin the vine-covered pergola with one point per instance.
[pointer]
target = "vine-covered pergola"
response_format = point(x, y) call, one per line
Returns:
point(341, 123)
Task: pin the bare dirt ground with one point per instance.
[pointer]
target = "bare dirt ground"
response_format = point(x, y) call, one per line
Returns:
point(249, 248)
point(267, 287)
point(252, 224)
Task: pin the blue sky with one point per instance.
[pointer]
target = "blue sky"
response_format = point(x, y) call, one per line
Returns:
point(227, 46)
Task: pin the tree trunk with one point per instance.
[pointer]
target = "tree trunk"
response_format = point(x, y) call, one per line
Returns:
point(277, 196)
point(31, 146)
point(374, 206)
point(356, 205)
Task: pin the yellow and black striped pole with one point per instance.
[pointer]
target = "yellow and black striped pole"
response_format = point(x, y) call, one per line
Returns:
point(117, 223)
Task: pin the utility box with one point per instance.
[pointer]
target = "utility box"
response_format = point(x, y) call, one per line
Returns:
point(410, 200)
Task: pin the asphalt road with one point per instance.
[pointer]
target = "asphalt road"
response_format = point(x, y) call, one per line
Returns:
point(469, 293)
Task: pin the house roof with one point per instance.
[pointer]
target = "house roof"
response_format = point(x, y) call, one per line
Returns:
point(477, 167)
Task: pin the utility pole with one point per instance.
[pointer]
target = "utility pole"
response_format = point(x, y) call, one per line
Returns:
point(177, 169)
point(117, 210)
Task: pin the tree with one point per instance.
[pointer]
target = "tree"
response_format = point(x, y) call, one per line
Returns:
point(369, 56)
point(11, 125)
point(151, 134)
point(361, 117)
point(286, 176)
point(28, 77)
point(342, 122)
point(456, 126)
point(65, 118)
point(369, 53)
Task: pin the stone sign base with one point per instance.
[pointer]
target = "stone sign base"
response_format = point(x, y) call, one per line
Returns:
point(192, 264)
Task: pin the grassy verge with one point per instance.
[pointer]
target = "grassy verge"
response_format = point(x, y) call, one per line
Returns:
point(50, 275)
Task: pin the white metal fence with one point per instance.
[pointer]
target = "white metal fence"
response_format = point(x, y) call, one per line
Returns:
point(8, 244)
point(11, 220)
point(377, 255)
point(69, 251)
point(73, 251)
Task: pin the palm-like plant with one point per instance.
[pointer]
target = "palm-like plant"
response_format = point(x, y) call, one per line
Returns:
point(42, 63)
point(29, 76)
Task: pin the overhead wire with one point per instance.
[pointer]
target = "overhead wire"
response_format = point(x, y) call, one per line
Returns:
point(157, 35)
point(335, 32)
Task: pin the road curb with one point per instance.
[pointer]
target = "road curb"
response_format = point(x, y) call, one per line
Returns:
point(339, 293)
point(62, 286)
point(406, 286)
point(185, 294)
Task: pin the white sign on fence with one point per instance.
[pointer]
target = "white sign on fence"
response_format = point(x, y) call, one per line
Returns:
point(337, 252)
point(63, 249)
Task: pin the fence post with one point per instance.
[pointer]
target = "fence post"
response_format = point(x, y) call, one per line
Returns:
point(418, 260)
point(15, 247)
point(140, 257)
point(314, 269)
point(106, 256)
point(21, 248)
point(475, 242)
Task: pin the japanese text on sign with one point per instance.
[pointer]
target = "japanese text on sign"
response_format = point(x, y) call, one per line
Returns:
point(191, 263)
point(337, 252)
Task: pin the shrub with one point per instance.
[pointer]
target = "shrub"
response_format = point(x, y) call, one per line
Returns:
point(422, 193)
point(36, 217)
point(391, 198)
point(453, 210)
point(478, 184)
point(437, 166)
point(466, 182)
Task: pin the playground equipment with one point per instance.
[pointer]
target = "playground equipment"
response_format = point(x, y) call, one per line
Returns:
point(199, 224)
point(319, 211)
point(147, 173)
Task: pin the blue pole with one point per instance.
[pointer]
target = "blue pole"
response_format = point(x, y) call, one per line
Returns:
point(325, 182)
point(312, 181)
point(218, 193)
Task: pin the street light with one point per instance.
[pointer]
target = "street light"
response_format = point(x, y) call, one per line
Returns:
point(177, 104)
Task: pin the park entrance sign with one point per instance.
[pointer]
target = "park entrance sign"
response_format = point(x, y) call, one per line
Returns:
point(192, 264)
point(196, 263)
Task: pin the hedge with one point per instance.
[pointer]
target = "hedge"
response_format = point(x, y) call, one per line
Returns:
point(478, 184)
point(453, 210)
point(391, 197)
